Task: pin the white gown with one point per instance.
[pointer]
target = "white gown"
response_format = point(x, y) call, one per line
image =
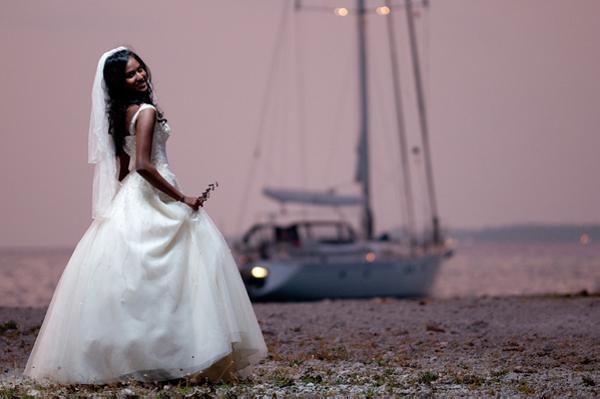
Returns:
point(151, 292)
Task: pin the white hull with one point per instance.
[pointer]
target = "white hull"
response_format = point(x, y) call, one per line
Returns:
point(296, 280)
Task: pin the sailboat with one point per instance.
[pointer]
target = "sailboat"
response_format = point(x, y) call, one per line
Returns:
point(308, 258)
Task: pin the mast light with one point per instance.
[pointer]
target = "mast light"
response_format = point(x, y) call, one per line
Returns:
point(341, 11)
point(383, 10)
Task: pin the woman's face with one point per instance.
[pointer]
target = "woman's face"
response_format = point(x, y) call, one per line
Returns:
point(135, 76)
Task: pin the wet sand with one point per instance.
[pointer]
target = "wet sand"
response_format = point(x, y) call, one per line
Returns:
point(507, 346)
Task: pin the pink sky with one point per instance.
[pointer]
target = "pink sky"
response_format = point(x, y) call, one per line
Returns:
point(513, 94)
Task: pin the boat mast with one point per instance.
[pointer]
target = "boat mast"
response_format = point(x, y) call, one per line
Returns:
point(406, 180)
point(436, 236)
point(363, 146)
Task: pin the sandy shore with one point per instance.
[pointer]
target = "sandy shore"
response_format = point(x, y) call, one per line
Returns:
point(512, 346)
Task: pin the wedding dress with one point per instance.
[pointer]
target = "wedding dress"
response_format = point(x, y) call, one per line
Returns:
point(151, 292)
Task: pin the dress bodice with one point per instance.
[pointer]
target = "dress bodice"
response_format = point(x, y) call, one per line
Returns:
point(162, 131)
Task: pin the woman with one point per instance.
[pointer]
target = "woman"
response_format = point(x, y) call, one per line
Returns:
point(151, 291)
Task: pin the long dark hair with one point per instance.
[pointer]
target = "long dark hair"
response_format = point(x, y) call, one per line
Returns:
point(119, 98)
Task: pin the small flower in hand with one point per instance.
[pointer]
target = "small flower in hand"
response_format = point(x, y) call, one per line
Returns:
point(206, 194)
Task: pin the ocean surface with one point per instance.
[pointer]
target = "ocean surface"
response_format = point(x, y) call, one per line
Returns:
point(483, 265)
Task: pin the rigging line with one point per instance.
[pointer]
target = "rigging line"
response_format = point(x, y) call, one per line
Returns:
point(265, 99)
point(301, 99)
point(400, 122)
point(266, 140)
point(270, 128)
point(275, 149)
point(426, 212)
point(424, 50)
point(436, 238)
point(337, 118)
point(279, 150)
point(270, 171)
point(425, 41)
point(421, 187)
point(285, 109)
point(380, 112)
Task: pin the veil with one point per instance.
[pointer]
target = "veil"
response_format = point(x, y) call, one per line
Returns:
point(101, 151)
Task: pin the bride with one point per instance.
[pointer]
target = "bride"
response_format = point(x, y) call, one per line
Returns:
point(151, 291)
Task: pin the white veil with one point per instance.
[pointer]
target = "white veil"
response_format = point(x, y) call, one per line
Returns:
point(101, 151)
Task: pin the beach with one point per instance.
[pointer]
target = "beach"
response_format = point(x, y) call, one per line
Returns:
point(543, 346)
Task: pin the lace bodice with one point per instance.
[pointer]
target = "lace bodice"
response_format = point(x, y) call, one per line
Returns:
point(162, 131)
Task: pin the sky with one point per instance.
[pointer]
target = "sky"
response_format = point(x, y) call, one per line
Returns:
point(512, 92)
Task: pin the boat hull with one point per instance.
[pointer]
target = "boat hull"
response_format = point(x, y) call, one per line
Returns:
point(411, 277)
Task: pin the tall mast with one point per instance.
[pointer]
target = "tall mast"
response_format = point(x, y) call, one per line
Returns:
point(406, 180)
point(363, 148)
point(436, 236)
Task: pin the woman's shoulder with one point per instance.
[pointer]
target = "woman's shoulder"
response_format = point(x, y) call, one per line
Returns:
point(133, 111)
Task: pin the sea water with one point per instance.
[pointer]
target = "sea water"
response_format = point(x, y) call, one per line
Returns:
point(490, 267)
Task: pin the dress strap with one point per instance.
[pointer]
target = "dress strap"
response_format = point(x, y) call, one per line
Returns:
point(132, 124)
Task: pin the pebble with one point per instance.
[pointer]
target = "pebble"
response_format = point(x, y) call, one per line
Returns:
point(517, 348)
point(126, 393)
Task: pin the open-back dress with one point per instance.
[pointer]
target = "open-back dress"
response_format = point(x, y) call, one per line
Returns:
point(151, 292)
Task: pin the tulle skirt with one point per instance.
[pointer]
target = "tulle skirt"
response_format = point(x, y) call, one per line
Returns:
point(151, 293)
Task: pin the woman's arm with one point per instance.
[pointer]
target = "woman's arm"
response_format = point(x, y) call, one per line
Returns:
point(123, 165)
point(143, 154)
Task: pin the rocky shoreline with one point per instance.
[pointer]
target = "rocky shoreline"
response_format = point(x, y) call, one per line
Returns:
point(543, 346)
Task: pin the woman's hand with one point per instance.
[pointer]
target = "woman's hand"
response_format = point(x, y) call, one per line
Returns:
point(206, 194)
point(192, 202)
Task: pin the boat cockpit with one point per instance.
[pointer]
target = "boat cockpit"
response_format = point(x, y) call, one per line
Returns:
point(265, 239)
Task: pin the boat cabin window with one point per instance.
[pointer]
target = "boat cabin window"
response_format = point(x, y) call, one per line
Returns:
point(330, 233)
point(262, 236)
point(259, 237)
point(287, 235)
